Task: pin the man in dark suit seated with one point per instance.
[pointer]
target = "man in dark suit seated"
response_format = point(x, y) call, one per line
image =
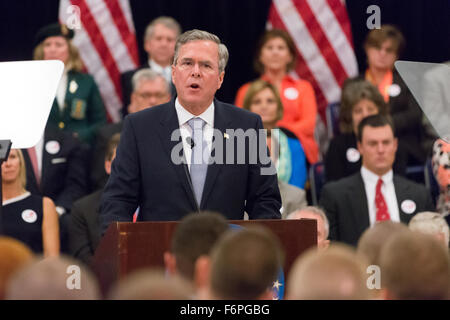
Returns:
point(56, 168)
point(159, 43)
point(374, 194)
point(152, 168)
point(84, 228)
point(149, 89)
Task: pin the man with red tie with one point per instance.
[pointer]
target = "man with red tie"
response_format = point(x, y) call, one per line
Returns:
point(374, 194)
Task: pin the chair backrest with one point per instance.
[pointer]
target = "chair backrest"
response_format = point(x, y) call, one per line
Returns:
point(332, 115)
point(317, 180)
point(430, 181)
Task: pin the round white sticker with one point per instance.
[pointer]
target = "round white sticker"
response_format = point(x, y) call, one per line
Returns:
point(29, 216)
point(291, 93)
point(408, 206)
point(52, 147)
point(353, 155)
point(394, 90)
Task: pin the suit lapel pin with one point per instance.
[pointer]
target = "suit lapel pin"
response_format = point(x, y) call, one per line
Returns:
point(73, 86)
point(226, 136)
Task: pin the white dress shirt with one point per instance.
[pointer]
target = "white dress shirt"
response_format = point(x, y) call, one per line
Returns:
point(370, 180)
point(208, 130)
point(166, 72)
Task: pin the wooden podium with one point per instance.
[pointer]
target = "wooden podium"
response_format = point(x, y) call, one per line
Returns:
point(128, 246)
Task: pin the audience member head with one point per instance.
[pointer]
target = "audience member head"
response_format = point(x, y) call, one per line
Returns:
point(275, 52)
point(159, 39)
point(377, 143)
point(441, 170)
point(383, 46)
point(431, 223)
point(110, 154)
point(149, 89)
point(56, 278)
point(53, 42)
point(373, 239)
point(359, 99)
point(14, 255)
point(333, 274)
point(262, 98)
point(244, 265)
point(148, 284)
point(14, 170)
point(323, 226)
point(198, 69)
point(414, 266)
point(192, 242)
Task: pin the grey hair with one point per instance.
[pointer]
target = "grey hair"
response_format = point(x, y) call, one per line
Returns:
point(167, 22)
point(430, 223)
point(147, 75)
point(195, 35)
point(316, 211)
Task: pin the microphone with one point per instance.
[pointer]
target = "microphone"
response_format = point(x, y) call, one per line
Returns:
point(190, 142)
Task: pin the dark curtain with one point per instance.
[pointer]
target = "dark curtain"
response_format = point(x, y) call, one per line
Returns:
point(425, 24)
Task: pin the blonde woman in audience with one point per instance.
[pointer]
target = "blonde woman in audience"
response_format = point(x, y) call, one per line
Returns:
point(29, 218)
point(431, 223)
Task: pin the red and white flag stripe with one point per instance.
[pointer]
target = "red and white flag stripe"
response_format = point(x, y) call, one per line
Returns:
point(107, 44)
point(322, 35)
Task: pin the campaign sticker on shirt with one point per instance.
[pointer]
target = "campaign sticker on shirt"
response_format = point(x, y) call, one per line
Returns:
point(52, 147)
point(29, 216)
point(408, 206)
point(291, 93)
point(394, 90)
point(353, 155)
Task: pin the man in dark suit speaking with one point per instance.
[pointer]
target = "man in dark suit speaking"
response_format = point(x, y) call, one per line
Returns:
point(182, 156)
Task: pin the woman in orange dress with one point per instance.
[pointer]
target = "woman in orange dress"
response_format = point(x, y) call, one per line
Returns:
point(274, 59)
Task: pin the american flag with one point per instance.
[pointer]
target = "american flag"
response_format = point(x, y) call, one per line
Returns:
point(322, 34)
point(106, 39)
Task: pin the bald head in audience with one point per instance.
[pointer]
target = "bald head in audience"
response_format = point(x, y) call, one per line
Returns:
point(244, 265)
point(323, 226)
point(151, 284)
point(431, 223)
point(56, 278)
point(333, 274)
point(414, 266)
point(14, 255)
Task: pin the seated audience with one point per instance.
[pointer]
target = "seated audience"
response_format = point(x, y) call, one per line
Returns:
point(78, 107)
point(441, 170)
point(56, 168)
point(191, 248)
point(151, 285)
point(84, 229)
point(262, 98)
point(149, 89)
point(431, 223)
point(244, 265)
point(333, 274)
point(383, 47)
point(275, 58)
point(159, 44)
point(29, 218)
point(359, 99)
point(14, 255)
point(414, 266)
point(57, 278)
point(323, 227)
point(374, 194)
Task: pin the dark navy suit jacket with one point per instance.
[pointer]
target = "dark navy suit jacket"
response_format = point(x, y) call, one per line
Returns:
point(144, 175)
